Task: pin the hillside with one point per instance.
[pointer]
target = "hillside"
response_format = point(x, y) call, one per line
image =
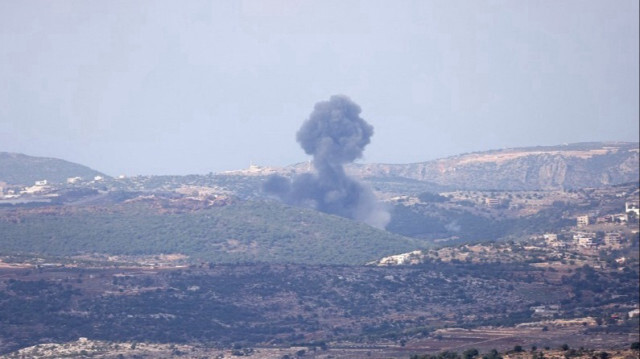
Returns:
point(16, 168)
point(571, 166)
point(553, 167)
point(387, 311)
point(253, 231)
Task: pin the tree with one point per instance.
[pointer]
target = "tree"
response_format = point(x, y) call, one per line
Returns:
point(470, 353)
point(431, 197)
point(493, 354)
point(448, 355)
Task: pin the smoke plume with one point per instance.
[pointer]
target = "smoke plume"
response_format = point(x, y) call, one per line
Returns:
point(334, 135)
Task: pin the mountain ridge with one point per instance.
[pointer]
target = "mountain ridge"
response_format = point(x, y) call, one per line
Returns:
point(591, 164)
point(21, 169)
point(568, 166)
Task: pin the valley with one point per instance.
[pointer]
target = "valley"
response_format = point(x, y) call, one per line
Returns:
point(210, 266)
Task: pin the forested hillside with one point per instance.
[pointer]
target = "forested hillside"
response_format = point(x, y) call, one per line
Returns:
point(252, 231)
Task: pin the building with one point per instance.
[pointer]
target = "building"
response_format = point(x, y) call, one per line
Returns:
point(613, 239)
point(585, 239)
point(582, 221)
point(33, 189)
point(552, 240)
point(632, 207)
point(72, 180)
point(41, 183)
point(492, 202)
point(621, 218)
point(545, 310)
point(559, 245)
point(612, 218)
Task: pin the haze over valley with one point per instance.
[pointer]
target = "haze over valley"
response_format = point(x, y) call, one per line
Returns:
point(455, 253)
point(279, 179)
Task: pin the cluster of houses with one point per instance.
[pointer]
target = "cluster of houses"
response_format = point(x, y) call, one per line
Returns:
point(550, 311)
point(631, 211)
point(585, 235)
point(39, 188)
point(545, 311)
point(592, 240)
point(11, 192)
point(587, 239)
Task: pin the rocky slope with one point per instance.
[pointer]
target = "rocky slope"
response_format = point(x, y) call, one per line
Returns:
point(553, 167)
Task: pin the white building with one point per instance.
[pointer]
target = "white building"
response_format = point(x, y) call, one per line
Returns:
point(545, 310)
point(72, 180)
point(621, 218)
point(585, 239)
point(492, 202)
point(632, 207)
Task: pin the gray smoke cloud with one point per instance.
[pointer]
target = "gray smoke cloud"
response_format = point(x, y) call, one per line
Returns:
point(334, 135)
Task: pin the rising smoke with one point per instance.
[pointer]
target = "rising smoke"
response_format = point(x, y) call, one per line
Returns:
point(334, 135)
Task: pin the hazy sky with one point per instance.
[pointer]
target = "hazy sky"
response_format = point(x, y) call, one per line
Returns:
point(177, 87)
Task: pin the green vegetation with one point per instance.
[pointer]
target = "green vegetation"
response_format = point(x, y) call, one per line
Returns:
point(467, 354)
point(403, 185)
point(306, 305)
point(252, 231)
point(431, 222)
point(431, 197)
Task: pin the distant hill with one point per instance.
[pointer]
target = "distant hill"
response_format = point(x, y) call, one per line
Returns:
point(571, 166)
point(246, 231)
point(16, 168)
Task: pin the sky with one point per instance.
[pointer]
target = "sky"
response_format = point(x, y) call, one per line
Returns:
point(193, 87)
